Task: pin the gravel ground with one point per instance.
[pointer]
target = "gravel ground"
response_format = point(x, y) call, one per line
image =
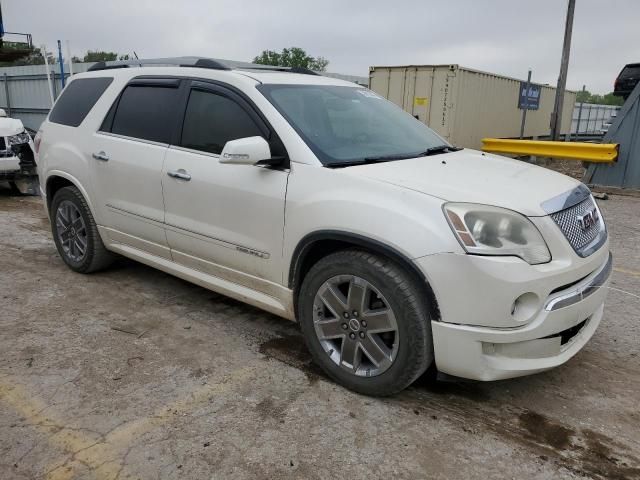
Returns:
point(131, 373)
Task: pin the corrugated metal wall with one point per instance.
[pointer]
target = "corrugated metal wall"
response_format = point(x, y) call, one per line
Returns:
point(29, 98)
point(625, 130)
point(465, 105)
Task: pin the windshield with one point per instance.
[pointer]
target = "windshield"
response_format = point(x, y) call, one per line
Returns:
point(344, 125)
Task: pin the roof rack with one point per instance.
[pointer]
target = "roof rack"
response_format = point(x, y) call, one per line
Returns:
point(197, 62)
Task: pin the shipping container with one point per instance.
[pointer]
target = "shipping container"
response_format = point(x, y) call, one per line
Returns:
point(464, 105)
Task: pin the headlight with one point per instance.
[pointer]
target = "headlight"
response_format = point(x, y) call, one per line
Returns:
point(486, 230)
point(18, 139)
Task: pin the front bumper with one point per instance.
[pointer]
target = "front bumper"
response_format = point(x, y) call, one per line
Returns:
point(10, 165)
point(557, 323)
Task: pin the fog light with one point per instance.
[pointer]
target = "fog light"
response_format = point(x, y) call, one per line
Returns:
point(525, 307)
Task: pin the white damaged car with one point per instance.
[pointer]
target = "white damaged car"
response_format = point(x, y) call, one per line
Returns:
point(17, 154)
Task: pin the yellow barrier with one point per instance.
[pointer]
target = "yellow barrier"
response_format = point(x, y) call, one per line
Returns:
point(587, 152)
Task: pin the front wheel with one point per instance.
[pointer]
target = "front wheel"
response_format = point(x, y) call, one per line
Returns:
point(365, 322)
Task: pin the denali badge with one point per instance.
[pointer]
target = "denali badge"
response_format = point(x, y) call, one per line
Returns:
point(588, 219)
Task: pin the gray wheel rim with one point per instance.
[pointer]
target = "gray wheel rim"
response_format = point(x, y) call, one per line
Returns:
point(355, 325)
point(71, 231)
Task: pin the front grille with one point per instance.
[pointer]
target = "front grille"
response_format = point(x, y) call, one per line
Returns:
point(567, 220)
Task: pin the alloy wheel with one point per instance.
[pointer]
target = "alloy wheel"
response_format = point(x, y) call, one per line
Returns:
point(355, 325)
point(71, 231)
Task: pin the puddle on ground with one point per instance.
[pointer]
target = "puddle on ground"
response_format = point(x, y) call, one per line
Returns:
point(544, 431)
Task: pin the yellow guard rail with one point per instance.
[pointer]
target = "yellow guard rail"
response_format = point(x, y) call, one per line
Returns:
point(587, 152)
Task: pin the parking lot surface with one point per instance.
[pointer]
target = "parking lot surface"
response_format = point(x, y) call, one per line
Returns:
point(132, 373)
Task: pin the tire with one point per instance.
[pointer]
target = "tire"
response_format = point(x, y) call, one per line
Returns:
point(81, 231)
point(402, 355)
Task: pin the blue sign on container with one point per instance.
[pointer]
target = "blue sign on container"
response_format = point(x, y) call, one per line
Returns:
point(529, 98)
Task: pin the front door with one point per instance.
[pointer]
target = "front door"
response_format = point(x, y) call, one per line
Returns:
point(225, 220)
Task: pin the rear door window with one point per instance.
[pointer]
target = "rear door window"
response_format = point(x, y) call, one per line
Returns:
point(211, 120)
point(78, 99)
point(147, 112)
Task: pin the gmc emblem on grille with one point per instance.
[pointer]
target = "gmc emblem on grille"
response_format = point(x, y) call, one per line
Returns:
point(588, 219)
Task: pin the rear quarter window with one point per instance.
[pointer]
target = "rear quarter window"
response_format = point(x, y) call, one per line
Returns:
point(78, 99)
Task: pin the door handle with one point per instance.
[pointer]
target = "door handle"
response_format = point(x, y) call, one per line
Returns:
point(181, 174)
point(100, 156)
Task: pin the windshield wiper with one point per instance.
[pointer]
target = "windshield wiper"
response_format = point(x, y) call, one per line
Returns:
point(390, 158)
point(439, 149)
point(365, 161)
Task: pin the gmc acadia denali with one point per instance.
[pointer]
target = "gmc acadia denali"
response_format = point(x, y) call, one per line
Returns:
point(319, 201)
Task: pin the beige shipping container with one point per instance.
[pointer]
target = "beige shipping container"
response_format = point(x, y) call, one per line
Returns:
point(463, 105)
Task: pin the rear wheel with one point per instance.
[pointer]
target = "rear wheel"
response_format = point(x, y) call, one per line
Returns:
point(75, 232)
point(365, 322)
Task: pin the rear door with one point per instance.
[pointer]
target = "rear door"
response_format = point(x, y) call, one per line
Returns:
point(127, 158)
point(226, 220)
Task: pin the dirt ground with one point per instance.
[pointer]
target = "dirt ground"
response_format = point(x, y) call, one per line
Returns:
point(132, 373)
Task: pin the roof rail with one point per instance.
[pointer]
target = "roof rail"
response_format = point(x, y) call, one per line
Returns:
point(275, 68)
point(198, 62)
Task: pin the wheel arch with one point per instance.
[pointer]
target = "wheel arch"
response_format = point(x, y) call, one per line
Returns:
point(314, 246)
point(58, 179)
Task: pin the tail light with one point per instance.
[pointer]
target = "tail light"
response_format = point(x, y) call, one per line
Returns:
point(36, 140)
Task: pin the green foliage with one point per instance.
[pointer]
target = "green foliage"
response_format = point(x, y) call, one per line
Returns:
point(292, 57)
point(607, 99)
point(34, 58)
point(99, 56)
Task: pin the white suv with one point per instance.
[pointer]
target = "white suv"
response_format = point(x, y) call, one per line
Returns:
point(321, 202)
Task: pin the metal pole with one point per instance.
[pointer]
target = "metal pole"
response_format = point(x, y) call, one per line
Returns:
point(556, 116)
point(70, 59)
point(6, 94)
point(53, 82)
point(526, 105)
point(46, 62)
point(584, 88)
point(61, 63)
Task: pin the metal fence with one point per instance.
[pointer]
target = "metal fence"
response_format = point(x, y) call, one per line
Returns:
point(24, 92)
point(590, 118)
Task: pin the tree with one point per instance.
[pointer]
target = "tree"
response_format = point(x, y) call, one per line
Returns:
point(99, 56)
point(292, 57)
point(34, 58)
point(608, 99)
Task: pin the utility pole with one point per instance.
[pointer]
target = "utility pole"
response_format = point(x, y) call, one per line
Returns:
point(556, 116)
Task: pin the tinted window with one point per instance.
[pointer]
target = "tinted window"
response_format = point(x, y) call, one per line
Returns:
point(631, 71)
point(212, 120)
point(146, 112)
point(78, 99)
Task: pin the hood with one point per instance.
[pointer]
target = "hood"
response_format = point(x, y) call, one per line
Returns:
point(10, 126)
point(474, 177)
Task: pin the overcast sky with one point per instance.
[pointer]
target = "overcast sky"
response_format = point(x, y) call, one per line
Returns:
point(500, 36)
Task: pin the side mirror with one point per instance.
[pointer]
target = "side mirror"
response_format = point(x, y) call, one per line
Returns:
point(246, 151)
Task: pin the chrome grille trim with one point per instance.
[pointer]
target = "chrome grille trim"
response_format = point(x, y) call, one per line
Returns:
point(583, 242)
